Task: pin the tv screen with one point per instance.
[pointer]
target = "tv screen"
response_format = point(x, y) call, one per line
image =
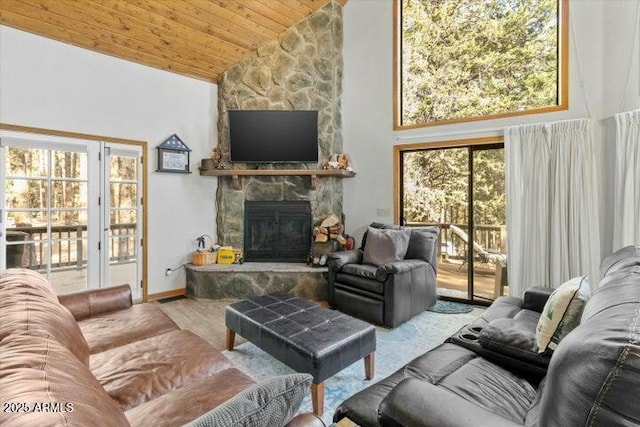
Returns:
point(273, 136)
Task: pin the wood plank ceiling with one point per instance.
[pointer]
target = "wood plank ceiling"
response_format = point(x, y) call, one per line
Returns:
point(196, 38)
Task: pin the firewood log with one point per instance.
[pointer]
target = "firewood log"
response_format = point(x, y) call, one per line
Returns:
point(330, 221)
point(321, 237)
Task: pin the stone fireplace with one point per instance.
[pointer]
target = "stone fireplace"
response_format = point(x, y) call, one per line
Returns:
point(278, 231)
point(302, 70)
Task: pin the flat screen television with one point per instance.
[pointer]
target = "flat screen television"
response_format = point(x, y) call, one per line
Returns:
point(273, 136)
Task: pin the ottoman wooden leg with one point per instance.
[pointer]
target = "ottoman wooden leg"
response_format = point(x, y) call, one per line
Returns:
point(369, 369)
point(317, 398)
point(231, 337)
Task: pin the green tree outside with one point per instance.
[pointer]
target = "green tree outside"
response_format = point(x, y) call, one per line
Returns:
point(468, 58)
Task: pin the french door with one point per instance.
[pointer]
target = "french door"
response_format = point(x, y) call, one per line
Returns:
point(121, 219)
point(72, 210)
point(460, 189)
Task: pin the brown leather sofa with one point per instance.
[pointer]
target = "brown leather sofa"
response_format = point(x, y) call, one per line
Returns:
point(94, 358)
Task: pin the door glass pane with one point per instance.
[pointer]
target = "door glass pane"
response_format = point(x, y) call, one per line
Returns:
point(28, 230)
point(123, 218)
point(435, 192)
point(31, 255)
point(23, 219)
point(69, 277)
point(68, 252)
point(26, 193)
point(124, 194)
point(68, 194)
point(124, 168)
point(71, 218)
point(47, 216)
point(489, 218)
point(17, 253)
point(122, 239)
point(68, 164)
point(26, 162)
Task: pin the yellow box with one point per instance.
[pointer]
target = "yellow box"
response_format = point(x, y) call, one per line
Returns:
point(226, 255)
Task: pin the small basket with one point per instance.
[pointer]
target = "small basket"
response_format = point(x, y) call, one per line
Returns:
point(203, 258)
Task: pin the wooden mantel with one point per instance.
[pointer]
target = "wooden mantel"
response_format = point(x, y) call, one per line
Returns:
point(235, 174)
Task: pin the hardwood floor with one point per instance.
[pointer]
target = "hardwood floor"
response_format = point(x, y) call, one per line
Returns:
point(202, 317)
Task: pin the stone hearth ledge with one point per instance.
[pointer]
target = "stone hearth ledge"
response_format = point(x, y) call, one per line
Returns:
point(251, 279)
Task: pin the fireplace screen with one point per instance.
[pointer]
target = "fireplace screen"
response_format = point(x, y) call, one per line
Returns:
point(277, 231)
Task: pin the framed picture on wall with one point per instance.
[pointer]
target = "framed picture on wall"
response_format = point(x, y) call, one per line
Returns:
point(173, 156)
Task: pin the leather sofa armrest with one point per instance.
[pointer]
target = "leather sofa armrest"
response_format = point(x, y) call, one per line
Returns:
point(307, 419)
point(398, 267)
point(337, 260)
point(419, 403)
point(535, 298)
point(513, 339)
point(97, 301)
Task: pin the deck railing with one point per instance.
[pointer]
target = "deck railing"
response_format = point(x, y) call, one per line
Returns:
point(26, 246)
point(492, 238)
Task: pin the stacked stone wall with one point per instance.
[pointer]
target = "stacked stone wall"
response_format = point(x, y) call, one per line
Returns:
point(302, 70)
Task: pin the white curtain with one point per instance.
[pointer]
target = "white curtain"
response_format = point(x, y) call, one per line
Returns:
point(626, 208)
point(552, 204)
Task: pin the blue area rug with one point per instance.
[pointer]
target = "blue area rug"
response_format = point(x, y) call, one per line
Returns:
point(450, 307)
point(395, 348)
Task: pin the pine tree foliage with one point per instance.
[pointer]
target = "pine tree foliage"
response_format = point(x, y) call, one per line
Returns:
point(468, 58)
point(436, 182)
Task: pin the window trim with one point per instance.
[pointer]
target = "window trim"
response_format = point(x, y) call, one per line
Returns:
point(563, 76)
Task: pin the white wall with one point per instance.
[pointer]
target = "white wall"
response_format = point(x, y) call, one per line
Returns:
point(48, 84)
point(621, 74)
point(367, 98)
point(622, 56)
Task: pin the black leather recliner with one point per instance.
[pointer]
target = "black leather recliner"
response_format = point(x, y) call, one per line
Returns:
point(390, 294)
point(592, 378)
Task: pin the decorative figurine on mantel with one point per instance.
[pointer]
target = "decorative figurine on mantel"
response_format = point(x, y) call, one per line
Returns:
point(340, 161)
point(214, 161)
point(216, 156)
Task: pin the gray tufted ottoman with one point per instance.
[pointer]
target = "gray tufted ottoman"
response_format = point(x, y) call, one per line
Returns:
point(304, 336)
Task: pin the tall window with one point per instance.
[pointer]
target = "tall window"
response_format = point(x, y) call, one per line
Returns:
point(461, 189)
point(463, 60)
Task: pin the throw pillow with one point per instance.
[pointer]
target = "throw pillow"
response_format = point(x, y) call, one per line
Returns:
point(562, 312)
point(385, 246)
point(422, 243)
point(273, 402)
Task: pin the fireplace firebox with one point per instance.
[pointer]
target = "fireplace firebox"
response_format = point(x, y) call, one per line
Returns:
point(277, 231)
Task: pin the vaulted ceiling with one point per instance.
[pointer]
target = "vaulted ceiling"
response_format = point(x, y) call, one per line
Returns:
point(196, 38)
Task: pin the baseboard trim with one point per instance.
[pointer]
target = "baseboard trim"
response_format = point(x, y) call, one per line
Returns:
point(168, 294)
